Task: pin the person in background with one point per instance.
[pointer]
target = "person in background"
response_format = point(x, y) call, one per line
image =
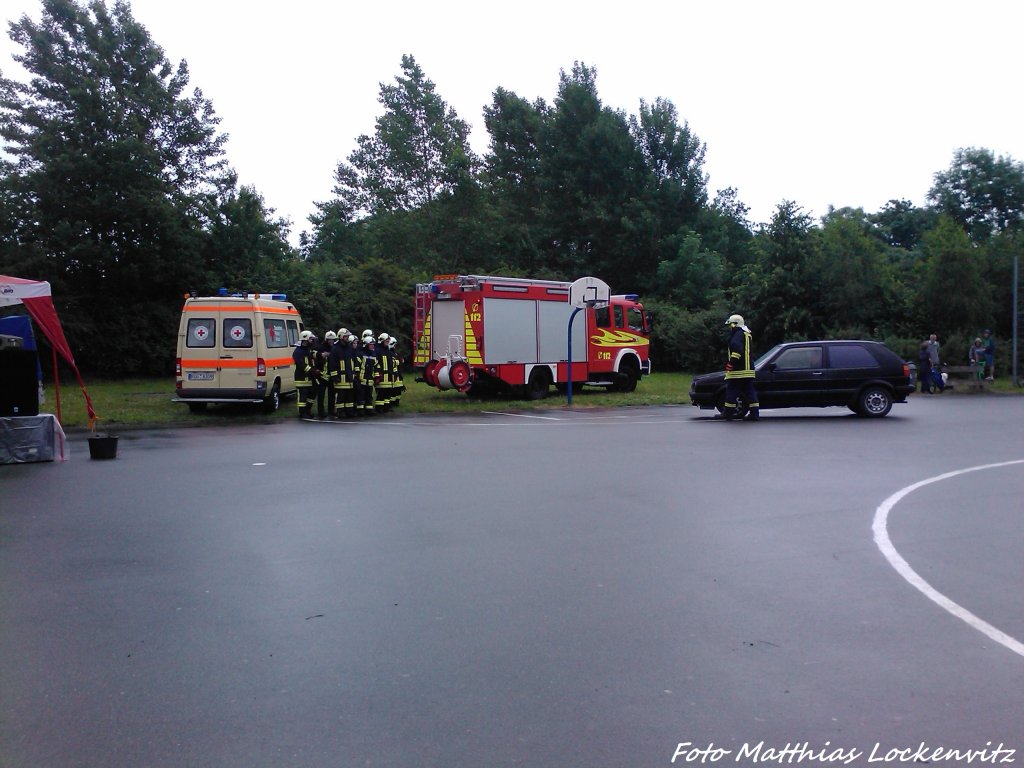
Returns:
point(977, 358)
point(924, 368)
point(936, 363)
point(990, 354)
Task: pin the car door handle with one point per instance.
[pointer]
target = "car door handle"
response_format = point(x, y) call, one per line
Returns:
point(817, 373)
point(227, 357)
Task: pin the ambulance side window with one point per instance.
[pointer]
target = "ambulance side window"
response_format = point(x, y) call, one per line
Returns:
point(238, 332)
point(275, 333)
point(293, 333)
point(602, 317)
point(618, 316)
point(202, 332)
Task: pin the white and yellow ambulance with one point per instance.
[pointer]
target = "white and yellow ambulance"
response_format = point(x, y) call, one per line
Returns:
point(236, 349)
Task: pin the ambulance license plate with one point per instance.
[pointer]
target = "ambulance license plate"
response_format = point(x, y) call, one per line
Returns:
point(200, 376)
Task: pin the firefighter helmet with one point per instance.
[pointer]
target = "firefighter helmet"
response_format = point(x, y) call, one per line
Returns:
point(343, 334)
point(382, 338)
point(735, 320)
point(305, 336)
point(391, 342)
point(331, 336)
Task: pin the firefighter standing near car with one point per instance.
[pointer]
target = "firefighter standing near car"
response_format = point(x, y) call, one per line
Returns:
point(304, 357)
point(367, 372)
point(739, 372)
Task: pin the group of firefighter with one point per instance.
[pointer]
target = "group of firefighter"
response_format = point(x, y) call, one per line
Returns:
point(343, 375)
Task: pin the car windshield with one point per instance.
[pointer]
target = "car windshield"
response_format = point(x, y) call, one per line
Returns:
point(765, 357)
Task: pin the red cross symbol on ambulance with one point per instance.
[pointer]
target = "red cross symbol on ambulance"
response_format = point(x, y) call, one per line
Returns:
point(200, 333)
point(238, 333)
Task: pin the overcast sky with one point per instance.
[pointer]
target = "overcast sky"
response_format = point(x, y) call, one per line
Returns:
point(822, 103)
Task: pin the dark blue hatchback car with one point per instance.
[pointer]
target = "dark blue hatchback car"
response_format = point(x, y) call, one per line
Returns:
point(865, 376)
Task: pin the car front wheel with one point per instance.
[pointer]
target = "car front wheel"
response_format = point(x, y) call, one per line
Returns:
point(741, 405)
point(874, 402)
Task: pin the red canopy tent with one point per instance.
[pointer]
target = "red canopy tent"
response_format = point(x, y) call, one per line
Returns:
point(38, 301)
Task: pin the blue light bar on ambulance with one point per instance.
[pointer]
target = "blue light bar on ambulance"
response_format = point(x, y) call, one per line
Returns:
point(633, 296)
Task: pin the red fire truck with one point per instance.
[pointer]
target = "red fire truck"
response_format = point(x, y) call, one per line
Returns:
point(480, 333)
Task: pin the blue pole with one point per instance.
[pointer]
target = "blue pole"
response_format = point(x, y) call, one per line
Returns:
point(568, 388)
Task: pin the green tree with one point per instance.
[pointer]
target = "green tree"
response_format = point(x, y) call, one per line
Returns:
point(674, 157)
point(418, 152)
point(981, 192)
point(782, 296)
point(408, 192)
point(858, 282)
point(902, 224)
point(109, 162)
point(513, 178)
point(954, 296)
point(246, 246)
point(593, 186)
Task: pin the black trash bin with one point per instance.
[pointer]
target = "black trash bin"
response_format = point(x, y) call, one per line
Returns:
point(103, 447)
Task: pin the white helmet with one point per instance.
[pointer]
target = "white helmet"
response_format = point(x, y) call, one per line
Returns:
point(331, 336)
point(343, 333)
point(391, 342)
point(382, 338)
point(305, 336)
point(735, 320)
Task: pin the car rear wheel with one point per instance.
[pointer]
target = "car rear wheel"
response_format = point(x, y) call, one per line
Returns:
point(874, 402)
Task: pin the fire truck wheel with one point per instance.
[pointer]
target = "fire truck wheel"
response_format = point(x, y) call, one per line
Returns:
point(629, 375)
point(537, 386)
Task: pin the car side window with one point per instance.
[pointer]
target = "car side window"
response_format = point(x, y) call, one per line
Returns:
point(293, 333)
point(800, 357)
point(619, 321)
point(202, 332)
point(602, 317)
point(851, 356)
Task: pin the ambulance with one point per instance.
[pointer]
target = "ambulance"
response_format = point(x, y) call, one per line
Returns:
point(236, 349)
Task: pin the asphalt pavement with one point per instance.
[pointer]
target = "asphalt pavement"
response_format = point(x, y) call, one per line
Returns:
point(623, 587)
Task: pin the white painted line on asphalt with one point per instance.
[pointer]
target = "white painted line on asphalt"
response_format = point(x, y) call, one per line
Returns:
point(521, 415)
point(903, 568)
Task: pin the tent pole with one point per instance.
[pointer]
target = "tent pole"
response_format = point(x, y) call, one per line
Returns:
point(56, 385)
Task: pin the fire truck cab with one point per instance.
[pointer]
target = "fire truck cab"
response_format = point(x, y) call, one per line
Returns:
point(483, 333)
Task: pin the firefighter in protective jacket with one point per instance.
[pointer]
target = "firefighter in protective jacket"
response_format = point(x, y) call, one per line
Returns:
point(304, 357)
point(739, 372)
point(367, 374)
